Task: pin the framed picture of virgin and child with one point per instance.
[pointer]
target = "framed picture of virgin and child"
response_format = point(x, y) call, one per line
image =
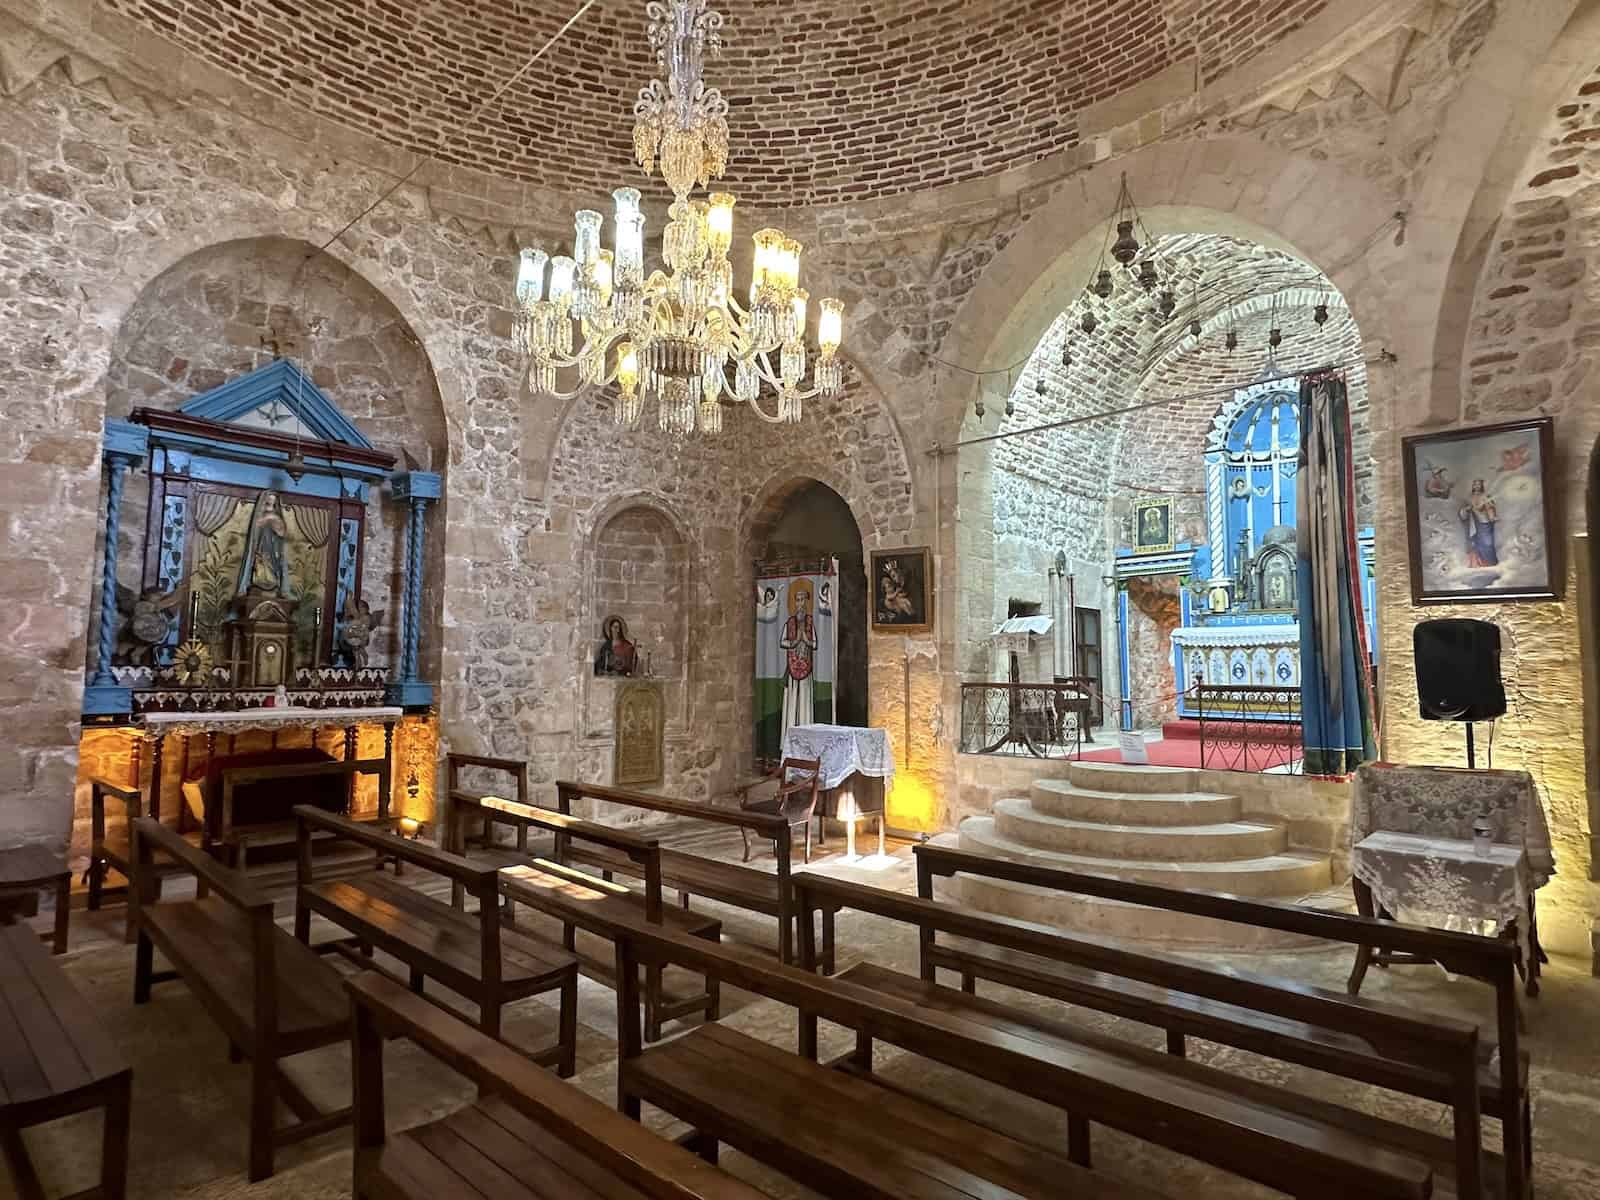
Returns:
point(902, 590)
point(1480, 516)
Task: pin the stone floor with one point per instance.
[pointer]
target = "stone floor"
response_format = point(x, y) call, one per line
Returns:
point(190, 1103)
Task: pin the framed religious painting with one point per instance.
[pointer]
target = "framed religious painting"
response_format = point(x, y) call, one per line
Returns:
point(902, 590)
point(1152, 526)
point(1480, 516)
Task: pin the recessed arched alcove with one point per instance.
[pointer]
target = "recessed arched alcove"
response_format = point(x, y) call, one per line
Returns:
point(814, 522)
point(234, 307)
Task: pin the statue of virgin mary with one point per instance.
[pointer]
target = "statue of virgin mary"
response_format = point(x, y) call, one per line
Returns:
point(264, 567)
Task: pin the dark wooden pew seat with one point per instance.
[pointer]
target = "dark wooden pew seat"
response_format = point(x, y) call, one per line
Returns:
point(55, 1059)
point(476, 955)
point(691, 875)
point(842, 1135)
point(1183, 1015)
point(581, 901)
point(1371, 1155)
point(528, 1137)
point(272, 997)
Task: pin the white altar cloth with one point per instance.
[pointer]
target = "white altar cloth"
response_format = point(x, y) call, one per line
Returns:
point(843, 750)
point(241, 720)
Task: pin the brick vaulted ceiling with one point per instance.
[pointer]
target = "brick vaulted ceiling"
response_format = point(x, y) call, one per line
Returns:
point(832, 101)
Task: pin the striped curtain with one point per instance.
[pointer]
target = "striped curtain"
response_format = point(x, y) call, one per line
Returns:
point(313, 523)
point(212, 510)
point(1335, 689)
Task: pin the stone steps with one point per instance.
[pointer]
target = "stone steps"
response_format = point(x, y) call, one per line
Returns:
point(1147, 825)
point(1021, 821)
point(1113, 919)
point(1282, 874)
point(1062, 798)
point(1120, 777)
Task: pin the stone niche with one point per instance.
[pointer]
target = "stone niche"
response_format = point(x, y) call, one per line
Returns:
point(638, 569)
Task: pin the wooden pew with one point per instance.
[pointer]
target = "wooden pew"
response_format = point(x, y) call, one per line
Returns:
point(1503, 1094)
point(472, 954)
point(112, 850)
point(236, 841)
point(55, 1060)
point(791, 1117)
point(526, 1136)
point(1274, 1136)
point(581, 901)
point(271, 996)
point(838, 1134)
point(743, 887)
point(460, 812)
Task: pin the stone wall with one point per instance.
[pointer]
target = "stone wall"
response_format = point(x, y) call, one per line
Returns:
point(1532, 349)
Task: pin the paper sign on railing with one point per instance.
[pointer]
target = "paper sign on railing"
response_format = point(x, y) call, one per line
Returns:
point(1132, 747)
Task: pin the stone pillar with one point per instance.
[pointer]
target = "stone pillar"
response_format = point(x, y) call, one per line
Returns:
point(124, 446)
point(418, 489)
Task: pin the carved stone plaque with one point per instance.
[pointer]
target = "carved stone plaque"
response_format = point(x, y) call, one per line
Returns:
point(639, 723)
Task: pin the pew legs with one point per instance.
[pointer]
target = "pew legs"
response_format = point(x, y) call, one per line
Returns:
point(1078, 1140)
point(568, 1035)
point(143, 967)
point(263, 1112)
point(114, 1140)
point(703, 1144)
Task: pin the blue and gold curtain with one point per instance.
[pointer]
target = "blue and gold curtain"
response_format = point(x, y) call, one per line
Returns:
point(1335, 688)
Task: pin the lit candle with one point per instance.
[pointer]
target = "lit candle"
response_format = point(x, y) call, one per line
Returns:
point(530, 276)
point(586, 240)
point(562, 271)
point(830, 326)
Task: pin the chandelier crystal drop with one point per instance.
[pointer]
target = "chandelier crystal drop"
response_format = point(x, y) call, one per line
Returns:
point(682, 334)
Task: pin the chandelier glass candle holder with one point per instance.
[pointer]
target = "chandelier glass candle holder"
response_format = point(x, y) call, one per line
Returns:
point(679, 335)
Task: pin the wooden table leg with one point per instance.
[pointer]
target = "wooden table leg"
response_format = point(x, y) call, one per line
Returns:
point(850, 837)
point(1363, 951)
point(63, 909)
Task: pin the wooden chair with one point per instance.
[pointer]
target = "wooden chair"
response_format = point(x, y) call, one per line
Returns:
point(273, 997)
point(527, 1135)
point(795, 799)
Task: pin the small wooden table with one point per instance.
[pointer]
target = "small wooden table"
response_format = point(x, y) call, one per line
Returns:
point(28, 870)
point(55, 1060)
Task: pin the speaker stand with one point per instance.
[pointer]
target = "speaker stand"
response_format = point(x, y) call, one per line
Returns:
point(1472, 750)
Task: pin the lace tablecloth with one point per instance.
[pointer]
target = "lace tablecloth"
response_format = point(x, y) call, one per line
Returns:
point(1411, 835)
point(843, 750)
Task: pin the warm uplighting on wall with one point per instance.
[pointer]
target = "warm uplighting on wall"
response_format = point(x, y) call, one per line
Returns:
point(913, 804)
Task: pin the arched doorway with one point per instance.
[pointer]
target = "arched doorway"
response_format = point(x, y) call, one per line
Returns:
point(813, 521)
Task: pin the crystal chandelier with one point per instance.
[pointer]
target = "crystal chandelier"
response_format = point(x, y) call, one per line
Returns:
point(678, 336)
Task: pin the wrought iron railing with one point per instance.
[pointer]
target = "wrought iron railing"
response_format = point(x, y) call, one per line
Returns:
point(1045, 720)
point(1249, 728)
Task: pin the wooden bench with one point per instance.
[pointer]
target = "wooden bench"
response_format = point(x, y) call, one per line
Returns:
point(473, 954)
point(110, 849)
point(1305, 1146)
point(466, 809)
point(581, 901)
point(527, 1137)
point(25, 871)
point(1183, 1015)
point(271, 996)
point(690, 874)
point(235, 841)
point(838, 1134)
point(55, 1060)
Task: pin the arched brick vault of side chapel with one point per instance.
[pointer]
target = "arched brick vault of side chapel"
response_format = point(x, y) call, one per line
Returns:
point(231, 307)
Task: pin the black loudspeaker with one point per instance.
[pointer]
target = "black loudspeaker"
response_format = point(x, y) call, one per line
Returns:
point(1458, 670)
